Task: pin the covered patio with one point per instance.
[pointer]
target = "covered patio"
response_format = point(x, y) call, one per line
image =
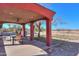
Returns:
point(24, 13)
point(29, 13)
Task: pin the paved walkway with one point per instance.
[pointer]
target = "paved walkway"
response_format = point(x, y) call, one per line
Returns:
point(37, 48)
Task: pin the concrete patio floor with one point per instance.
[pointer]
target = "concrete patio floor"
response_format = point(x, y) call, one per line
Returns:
point(22, 49)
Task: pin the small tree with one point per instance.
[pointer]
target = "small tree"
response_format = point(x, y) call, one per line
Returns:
point(38, 25)
point(57, 21)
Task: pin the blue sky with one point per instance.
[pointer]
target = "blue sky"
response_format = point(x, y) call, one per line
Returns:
point(67, 12)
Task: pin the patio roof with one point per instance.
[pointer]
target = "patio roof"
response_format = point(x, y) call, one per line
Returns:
point(23, 12)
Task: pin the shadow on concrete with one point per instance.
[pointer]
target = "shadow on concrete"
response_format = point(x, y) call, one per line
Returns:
point(2, 48)
point(12, 44)
point(65, 48)
point(62, 48)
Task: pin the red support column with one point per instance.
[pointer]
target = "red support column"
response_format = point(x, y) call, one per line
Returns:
point(31, 31)
point(39, 31)
point(23, 30)
point(48, 32)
